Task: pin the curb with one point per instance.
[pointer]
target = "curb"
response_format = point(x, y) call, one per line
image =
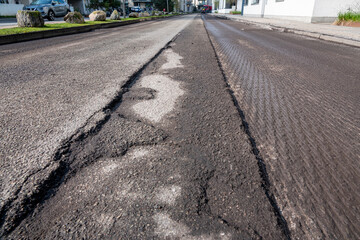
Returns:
point(21, 37)
point(316, 35)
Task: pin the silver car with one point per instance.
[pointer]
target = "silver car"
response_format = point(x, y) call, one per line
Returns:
point(49, 8)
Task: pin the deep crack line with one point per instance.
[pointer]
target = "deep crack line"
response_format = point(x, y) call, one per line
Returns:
point(265, 184)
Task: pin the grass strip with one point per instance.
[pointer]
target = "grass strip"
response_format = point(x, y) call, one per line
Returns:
point(53, 26)
point(9, 16)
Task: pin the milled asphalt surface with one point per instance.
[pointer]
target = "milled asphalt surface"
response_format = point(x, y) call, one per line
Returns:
point(170, 160)
point(300, 97)
point(52, 88)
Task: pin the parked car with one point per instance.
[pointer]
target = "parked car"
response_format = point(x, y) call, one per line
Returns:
point(135, 9)
point(49, 8)
point(206, 9)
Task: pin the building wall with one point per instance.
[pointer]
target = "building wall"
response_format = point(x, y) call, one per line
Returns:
point(222, 7)
point(10, 9)
point(290, 9)
point(327, 10)
point(253, 10)
point(304, 10)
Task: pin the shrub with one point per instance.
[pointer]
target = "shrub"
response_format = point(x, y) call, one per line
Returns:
point(235, 12)
point(349, 16)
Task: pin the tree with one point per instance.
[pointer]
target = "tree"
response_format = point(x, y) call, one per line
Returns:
point(176, 5)
point(161, 4)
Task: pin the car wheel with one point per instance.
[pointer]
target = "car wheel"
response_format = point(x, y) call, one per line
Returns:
point(51, 15)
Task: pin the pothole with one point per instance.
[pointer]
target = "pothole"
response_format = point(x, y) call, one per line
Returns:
point(168, 91)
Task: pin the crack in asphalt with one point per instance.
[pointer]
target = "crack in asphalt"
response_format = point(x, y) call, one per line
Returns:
point(265, 184)
point(48, 186)
point(203, 200)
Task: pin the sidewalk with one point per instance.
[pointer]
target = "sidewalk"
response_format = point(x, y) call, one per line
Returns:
point(328, 32)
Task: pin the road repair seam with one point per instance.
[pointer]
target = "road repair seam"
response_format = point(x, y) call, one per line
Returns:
point(15, 210)
point(266, 185)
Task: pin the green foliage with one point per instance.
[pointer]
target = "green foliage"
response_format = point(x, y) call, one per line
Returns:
point(349, 16)
point(53, 26)
point(161, 4)
point(235, 12)
point(176, 5)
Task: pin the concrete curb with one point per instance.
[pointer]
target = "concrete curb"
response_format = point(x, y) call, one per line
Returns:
point(21, 37)
point(317, 35)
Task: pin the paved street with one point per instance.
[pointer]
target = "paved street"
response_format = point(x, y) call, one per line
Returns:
point(300, 98)
point(192, 127)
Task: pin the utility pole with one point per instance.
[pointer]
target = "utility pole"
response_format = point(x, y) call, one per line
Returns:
point(167, 6)
point(242, 8)
point(124, 11)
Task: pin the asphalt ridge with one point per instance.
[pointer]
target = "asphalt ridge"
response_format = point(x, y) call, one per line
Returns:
point(185, 172)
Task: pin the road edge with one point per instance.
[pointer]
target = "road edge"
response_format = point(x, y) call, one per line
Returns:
point(22, 37)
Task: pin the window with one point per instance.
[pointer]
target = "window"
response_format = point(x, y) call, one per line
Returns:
point(279, 0)
point(254, 2)
point(230, 3)
point(246, 2)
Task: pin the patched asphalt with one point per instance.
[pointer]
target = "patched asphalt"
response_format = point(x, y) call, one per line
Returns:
point(170, 160)
point(54, 89)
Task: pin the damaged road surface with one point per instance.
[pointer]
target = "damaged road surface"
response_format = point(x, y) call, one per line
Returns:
point(169, 159)
point(54, 89)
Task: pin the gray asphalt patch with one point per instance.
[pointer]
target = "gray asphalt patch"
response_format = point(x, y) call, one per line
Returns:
point(48, 100)
point(167, 92)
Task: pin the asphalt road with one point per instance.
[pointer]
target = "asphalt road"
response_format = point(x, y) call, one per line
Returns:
point(52, 88)
point(300, 98)
point(169, 160)
point(156, 131)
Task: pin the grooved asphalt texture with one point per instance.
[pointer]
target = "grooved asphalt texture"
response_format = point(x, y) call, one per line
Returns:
point(300, 97)
point(190, 174)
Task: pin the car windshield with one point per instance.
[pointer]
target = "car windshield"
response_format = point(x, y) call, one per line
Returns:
point(37, 2)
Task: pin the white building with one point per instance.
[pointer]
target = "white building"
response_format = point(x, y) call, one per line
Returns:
point(304, 10)
point(10, 7)
point(186, 5)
